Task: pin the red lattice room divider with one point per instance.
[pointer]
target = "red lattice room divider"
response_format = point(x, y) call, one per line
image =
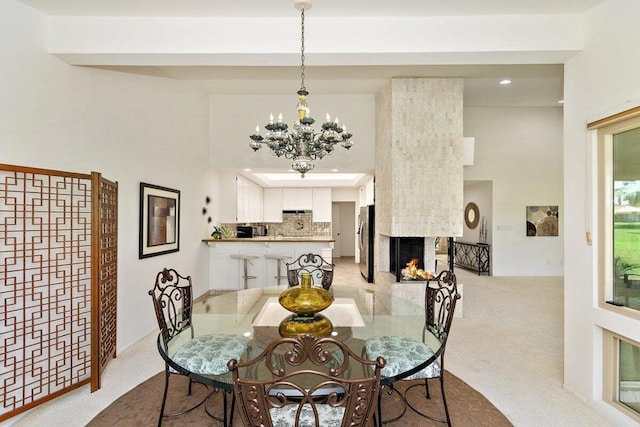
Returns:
point(58, 283)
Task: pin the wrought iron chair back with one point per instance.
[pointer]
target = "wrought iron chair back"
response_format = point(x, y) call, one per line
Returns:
point(306, 379)
point(172, 300)
point(321, 270)
point(441, 295)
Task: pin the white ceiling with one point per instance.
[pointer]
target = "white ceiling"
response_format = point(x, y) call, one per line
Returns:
point(532, 85)
point(235, 8)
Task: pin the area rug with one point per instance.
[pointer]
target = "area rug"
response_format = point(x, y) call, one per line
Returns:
point(141, 405)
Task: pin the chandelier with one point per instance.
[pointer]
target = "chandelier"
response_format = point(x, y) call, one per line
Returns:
point(302, 144)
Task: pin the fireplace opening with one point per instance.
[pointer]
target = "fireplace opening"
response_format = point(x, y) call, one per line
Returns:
point(402, 250)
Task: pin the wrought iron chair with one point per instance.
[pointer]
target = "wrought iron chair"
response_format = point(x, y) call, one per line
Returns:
point(321, 271)
point(203, 355)
point(304, 380)
point(441, 295)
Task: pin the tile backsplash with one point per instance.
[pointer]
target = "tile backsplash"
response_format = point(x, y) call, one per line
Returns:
point(296, 225)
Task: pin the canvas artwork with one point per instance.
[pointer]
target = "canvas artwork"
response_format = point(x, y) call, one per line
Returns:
point(159, 220)
point(542, 221)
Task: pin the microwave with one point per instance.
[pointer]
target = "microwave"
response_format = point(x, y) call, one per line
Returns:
point(243, 231)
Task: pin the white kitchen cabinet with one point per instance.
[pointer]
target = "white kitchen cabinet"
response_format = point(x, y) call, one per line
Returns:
point(253, 199)
point(305, 199)
point(321, 204)
point(242, 200)
point(241, 196)
point(249, 201)
point(229, 200)
point(272, 208)
point(297, 199)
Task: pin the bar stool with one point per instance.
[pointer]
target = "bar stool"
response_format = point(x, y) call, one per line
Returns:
point(246, 258)
point(279, 259)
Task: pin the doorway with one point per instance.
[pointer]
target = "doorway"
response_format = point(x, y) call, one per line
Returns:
point(343, 228)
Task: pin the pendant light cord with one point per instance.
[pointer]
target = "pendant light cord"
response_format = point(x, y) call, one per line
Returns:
point(302, 88)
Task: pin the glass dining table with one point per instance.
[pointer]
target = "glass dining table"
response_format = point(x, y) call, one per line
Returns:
point(356, 314)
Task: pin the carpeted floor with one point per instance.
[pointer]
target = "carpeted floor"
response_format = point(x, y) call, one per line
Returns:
point(141, 405)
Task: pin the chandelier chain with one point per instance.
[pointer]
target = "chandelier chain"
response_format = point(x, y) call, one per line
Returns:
point(301, 143)
point(302, 51)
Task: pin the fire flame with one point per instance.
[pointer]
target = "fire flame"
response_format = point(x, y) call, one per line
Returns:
point(412, 272)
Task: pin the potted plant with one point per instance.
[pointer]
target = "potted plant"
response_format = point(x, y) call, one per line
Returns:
point(623, 268)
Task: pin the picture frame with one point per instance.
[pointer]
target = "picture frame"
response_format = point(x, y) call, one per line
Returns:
point(159, 220)
point(542, 221)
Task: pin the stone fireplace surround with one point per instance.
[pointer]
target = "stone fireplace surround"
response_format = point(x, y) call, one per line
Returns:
point(419, 179)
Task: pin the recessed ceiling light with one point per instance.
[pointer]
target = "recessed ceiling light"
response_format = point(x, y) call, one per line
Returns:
point(247, 170)
point(561, 101)
point(334, 170)
point(505, 82)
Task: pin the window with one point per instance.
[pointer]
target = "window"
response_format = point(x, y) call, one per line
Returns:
point(622, 375)
point(629, 377)
point(618, 252)
point(626, 218)
point(618, 153)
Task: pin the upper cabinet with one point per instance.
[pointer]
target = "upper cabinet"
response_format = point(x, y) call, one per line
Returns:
point(243, 199)
point(246, 202)
point(228, 203)
point(297, 199)
point(272, 205)
point(250, 201)
point(321, 205)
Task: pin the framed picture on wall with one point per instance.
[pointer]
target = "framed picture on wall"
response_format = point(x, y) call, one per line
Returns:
point(542, 221)
point(159, 220)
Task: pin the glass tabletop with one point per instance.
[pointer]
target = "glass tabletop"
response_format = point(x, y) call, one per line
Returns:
point(357, 314)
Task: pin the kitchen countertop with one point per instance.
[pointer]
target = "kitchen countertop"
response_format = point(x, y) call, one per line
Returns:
point(270, 239)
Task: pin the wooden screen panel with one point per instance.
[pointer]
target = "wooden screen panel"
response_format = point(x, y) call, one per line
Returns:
point(45, 285)
point(105, 292)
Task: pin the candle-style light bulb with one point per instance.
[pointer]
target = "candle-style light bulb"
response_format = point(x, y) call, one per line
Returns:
point(280, 118)
point(328, 118)
point(271, 118)
point(257, 129)
point(337, 121)
point(344, 128)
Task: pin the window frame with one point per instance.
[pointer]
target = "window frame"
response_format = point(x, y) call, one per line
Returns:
point(611, 372)
point(606, 129)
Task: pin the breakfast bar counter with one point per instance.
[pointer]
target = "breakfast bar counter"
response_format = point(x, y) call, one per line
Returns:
point(228, 269)
point(271, 239)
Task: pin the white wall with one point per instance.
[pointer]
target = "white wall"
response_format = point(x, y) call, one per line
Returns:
point(520, 151)
point(129, 128)
point(603, 80)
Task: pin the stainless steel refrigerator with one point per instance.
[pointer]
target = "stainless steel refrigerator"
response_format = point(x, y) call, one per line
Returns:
point(366, 230)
